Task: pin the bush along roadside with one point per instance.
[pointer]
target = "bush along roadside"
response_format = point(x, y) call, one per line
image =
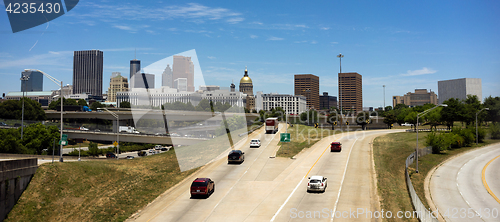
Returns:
point(458, 137)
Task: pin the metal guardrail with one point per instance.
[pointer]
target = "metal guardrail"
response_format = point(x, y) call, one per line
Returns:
point(423, 213)
point(428, 130)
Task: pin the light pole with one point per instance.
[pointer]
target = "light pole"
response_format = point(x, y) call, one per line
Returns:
point(117, 130)
point(61, 97)
point(340, 56)
point(418, 116)
point(384, 96)
point(23, 83)
point(477, 139)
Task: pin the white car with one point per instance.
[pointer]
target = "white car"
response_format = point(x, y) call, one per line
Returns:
point(255, 143)
point(317, 183)
point(158, 147)
point(83, 128)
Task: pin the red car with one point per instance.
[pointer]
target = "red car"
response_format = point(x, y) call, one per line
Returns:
point(336, 146)
point(202, 187)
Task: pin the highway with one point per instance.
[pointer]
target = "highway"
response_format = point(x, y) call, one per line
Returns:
point(462, 192)
point(274, 189)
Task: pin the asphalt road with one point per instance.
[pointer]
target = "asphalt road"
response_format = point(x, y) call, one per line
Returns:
point(274, 189)
point(458, 190)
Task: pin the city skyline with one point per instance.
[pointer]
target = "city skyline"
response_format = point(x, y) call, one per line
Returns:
point(404, 46)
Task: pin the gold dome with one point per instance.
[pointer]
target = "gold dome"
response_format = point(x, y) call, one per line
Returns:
point(245, 79)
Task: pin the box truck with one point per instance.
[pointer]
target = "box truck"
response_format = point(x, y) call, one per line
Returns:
point(271, 125)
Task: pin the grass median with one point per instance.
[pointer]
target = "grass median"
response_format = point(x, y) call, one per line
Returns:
point(390, 153)
point(109, 190)
point(302, 137)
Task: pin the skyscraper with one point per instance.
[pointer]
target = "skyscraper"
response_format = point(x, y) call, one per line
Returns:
point(166, 77)
point(87, 72)
point(135, 67)
point(308, 85)
point(34, 82)
point(183, 67)
point(351, 92)
point(143, 80)
point(459, 89)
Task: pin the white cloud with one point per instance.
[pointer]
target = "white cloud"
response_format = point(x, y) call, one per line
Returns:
point(254, 36)
point(211, 57)
point(314, 42)
point(301, 26)
point(325, 28)
point(235, 20)
point(423, 71)
point(257, 23)
point(124, 27)
point(275, 38)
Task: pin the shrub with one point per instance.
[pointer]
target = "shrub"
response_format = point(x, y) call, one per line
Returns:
point(438, 141)
point(495, 130)
point(468, 135)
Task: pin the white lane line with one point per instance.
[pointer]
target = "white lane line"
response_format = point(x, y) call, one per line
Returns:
point(277, 212)
point(342, 181)
point(458, 187)
point(261, 151)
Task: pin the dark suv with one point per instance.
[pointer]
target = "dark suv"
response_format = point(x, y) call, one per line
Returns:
point(236, 156)
point(202, 187)
point(110, 155)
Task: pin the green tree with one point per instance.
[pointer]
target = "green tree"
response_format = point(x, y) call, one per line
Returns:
point(125, 104)
point(412, 118)
point(310, 117)
point(203, 105)
point(471, 106)
point(433, 118)
point(363, 119)
point(12, 109)
point(66, 102)
point(96, 105)
point(400, 106)
point(93, 149)
point(452, 112)
point(390, 119)
point(493, 104)
point(38, 137)
point(82, 102)
point(10, 142)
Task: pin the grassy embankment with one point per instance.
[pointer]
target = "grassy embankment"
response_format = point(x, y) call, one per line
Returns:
point(390, 152)
point(109, 190)
point(302, 137)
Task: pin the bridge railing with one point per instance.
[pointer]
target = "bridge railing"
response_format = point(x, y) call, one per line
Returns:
point(427, 130)
point(422, 212)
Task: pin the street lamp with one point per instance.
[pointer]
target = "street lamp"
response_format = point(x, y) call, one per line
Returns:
point(340, 56)
point(477, 140)
point(418, 116)
point(61, 97)
point(23, 82)
point(117, 130)
point(384, 97)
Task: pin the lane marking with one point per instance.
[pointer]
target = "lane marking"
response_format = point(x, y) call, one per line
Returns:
point(342, 181)
point(484, 180)
point(289, 196)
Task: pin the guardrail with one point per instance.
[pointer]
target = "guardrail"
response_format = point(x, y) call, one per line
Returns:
point(422, 212)
point(428, 130)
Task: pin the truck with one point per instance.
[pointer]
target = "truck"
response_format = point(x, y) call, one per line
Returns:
point(128, 129)
point(271, 125)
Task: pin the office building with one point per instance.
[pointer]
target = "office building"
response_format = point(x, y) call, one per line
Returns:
point(180, 84)
point(87, 72)
point(34, 82)
point(135, 67)
point(143, 80)
point(166, 77)
point(308, 85)
point(183, 67)
point(418, 98)
point(246, 87)
point(290, 104)
point(117, 83)
point(459, 89)
point(44, 98)
point(351, 92)
point(326, 101)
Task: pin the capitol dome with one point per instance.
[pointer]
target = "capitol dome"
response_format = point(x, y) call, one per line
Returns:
point(245, 78)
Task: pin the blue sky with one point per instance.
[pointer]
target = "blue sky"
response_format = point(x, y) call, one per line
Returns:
point(401, 44)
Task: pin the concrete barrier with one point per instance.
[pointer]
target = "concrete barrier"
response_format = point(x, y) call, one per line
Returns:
point(15, 175)
point(423, 214)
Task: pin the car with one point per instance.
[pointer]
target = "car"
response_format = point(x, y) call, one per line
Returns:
point(110, 155)
point(83, 128)
point(255, 143)
point(406, 124)
point(152, 152)
point(164, 149)
point(142, 153)
point(158, 147)
point(236, 156)
point(130, 157)
point(335, 146)
point(317, 183)
point(202, 187)
point(3, 124)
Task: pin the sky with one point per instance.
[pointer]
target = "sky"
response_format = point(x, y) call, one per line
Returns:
point(404, 45)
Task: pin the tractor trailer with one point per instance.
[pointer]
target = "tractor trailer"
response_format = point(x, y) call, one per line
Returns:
point(271, 125)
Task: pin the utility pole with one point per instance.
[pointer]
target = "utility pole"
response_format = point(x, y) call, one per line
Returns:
point(384, 96)
point(340, 56)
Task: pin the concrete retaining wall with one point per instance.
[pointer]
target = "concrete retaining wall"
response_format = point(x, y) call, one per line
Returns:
point(15, 175)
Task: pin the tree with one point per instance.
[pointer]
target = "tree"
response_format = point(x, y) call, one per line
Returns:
point(66, 102)
point(433, 118)
point(493, 104)
point(203, 105)
point(311, 116)
point(412, 118)
point(93, 149)
point(390, 119)
point(38, 137)
point(96, 105)
point(12, 109)
point(452, 112)
point(363, 119)
point(125, 104)
point(388, 108)
point(82, 102)
point(471, 106)
point(400, 106)
point(10, 142)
